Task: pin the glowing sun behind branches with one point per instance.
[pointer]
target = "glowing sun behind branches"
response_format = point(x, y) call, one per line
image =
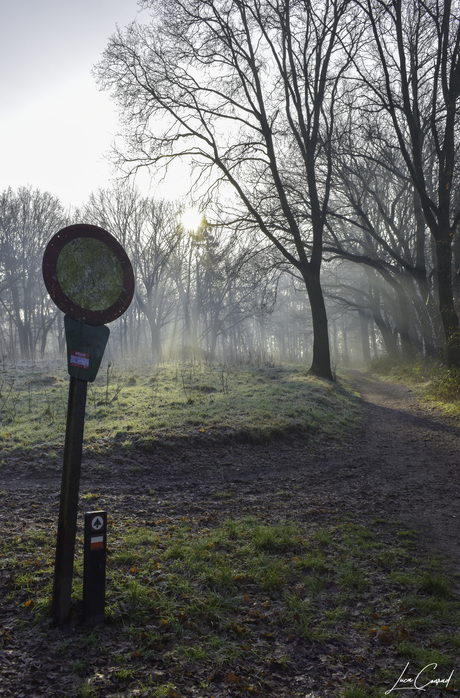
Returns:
point(191, 219)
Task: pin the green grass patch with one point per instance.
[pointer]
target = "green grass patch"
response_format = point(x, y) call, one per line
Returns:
point(438, 385)
point(163, 405)
point(231, 604)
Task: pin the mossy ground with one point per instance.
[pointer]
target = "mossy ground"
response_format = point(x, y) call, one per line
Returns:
point(218, 603)
point(220, 594)
point(153, 405)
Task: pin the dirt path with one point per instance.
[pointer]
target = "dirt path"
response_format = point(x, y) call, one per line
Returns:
point(407, 463)
point(402, 463)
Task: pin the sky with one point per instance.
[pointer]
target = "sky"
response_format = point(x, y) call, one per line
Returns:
point(56, 127)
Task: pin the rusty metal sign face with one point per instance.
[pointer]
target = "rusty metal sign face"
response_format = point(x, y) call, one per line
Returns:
point(88, 274)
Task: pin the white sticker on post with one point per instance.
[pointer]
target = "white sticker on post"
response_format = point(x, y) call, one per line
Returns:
point(79, 359)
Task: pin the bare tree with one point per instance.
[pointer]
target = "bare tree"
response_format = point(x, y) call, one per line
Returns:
point(153, 247)
point(230, 276)
point(247, 92)
point(410, 73)
point(376, 223)
point(28, 219)
point(118, 210)
point(150, 232)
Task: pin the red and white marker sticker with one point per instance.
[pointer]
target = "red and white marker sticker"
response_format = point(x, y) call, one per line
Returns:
point(79, 359)
point(97, 542)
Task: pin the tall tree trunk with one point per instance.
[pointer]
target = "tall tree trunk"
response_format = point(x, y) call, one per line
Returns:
point(364, 327)
point(449, 315)
point(345, 355)
point(321, 363)
point(155, 336)
point(388, 338)
point(403, 323)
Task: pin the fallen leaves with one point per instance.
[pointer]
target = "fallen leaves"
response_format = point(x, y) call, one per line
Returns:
point(384, 635)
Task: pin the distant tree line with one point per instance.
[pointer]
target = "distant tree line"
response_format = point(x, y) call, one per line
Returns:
point(209, 293)
point(199, 294)
point(28, 219)
point(202, 294)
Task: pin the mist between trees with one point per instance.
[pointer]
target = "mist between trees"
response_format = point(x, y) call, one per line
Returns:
point(208, 294)
point(322, 140)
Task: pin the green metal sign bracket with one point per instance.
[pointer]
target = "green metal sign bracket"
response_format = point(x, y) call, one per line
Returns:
point(85, 348)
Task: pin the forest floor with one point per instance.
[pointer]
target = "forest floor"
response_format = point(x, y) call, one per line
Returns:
point(402, 463)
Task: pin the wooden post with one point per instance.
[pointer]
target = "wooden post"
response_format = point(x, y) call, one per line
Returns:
point(67, 526)
point(94, 560)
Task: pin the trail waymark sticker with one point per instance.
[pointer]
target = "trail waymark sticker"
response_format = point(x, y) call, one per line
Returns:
point(97, 542)
point(78, 358)
point(97, 523)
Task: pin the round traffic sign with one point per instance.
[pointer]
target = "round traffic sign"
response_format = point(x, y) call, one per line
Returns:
point(88, 274)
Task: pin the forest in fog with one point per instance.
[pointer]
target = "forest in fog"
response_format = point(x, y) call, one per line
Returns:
point(208, 293)
point(322, 141)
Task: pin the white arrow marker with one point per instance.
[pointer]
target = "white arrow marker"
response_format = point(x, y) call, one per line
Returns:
point(97, 523)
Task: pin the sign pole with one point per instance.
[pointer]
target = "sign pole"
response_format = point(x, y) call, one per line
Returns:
point(67, 525)
point(90, 278)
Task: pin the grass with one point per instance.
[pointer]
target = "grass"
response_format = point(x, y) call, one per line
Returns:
point(194, 605)
point(206, 604)
point(433, 381)
point(162, 405)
